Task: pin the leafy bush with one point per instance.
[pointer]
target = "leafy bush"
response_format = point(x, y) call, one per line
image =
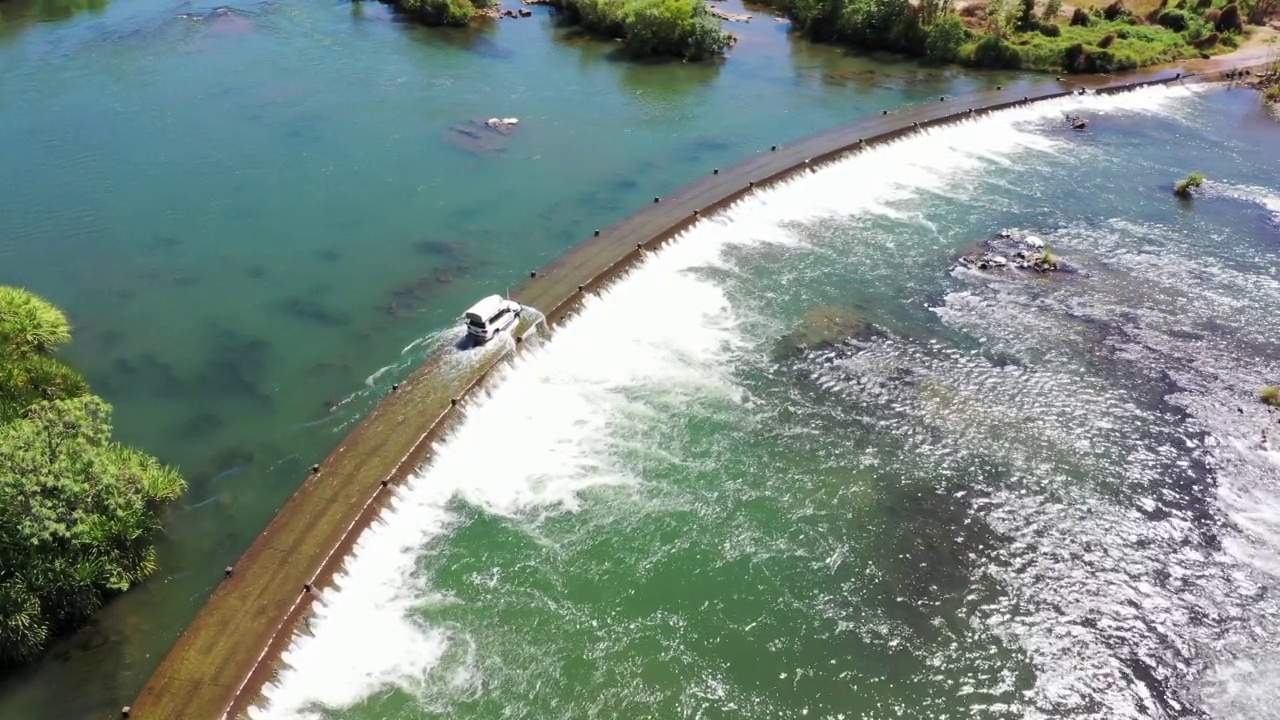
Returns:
point(601, 16)
point(1115, 10)
point(884, 24)
point(1257, 11)
point(1191, 182)
point(1204, 4)
point(1271, 394)
point(76, 517)
point(1272, 94)
point(992, 52)
point(1026, 15)
point(946, 38)
point(673, 27)
point(1049, 29)
point(929, 12)
point(1080, 18)
point(1229, 21)
point(1209, 41)
point(77, 511)
point(31, 328)
point(1175, 20)
point(440, 12)
point(682, 28)
point(1051, 9)
point(1077, 58)
point(30, 324)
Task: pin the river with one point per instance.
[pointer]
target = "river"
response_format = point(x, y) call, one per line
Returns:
point(254, 216)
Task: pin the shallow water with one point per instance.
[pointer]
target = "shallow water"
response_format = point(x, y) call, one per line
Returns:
point(1013, 496)
point(254, 216)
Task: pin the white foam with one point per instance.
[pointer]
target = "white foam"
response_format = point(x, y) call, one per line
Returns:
point(1268, 199)
point(544, 434)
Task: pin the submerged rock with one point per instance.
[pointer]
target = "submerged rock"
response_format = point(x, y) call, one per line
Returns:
point(825, 326)
point(482, 136)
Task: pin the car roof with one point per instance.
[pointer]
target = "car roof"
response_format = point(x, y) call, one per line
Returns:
point(487, 307)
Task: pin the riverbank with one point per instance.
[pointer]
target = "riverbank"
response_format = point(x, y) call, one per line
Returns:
point(1098, 39)
point(221, 663)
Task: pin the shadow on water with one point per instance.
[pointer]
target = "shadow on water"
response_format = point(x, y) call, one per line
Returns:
point(477, 39)
point(234, 369)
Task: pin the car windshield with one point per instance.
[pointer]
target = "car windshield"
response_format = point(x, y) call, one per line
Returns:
point(475, 322)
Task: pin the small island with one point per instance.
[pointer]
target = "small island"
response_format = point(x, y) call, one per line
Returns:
point(77, 510)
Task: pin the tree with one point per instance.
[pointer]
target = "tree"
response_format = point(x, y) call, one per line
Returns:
point(673, 27)
point(1257, 11)
point(30, 329)
point(886, 24)
point(946, 37)
point(441, 12)
point(27, 379)
point(77, 511)
point(1001, 18)
point(931, 11)
point(1026, 15)
point(29, 323)
point(1229, 21)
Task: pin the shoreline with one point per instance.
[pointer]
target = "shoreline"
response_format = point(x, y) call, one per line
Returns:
point(222, 661)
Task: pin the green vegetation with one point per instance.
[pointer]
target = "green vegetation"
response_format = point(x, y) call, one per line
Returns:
point(1013, 34)
point(1271, 395)
point(77, 511)
point(946, 39)
point(679, 28)
point(1183, 187)
point(443, 12)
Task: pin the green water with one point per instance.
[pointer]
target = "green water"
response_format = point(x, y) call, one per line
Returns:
point(247, 215)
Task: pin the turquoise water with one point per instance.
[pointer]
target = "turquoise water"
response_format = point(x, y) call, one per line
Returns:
point(249, 214)
point(1007, 495)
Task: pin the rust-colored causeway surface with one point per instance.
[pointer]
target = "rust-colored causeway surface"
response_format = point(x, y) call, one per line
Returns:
point(219, 666)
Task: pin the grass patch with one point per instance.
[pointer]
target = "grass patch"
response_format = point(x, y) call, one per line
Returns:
point(1104, 46)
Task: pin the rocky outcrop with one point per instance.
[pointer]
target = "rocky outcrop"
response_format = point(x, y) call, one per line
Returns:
point(1011, 251)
